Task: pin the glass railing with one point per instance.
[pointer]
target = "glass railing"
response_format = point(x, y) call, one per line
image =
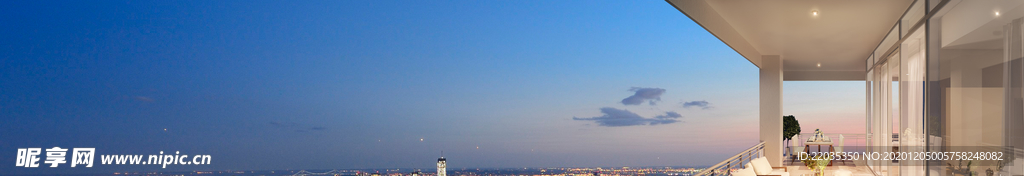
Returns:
point(735, 162)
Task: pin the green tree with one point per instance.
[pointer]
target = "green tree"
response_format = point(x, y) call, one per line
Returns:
point(790, 127)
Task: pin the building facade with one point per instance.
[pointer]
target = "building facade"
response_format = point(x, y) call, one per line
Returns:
point(442, 167)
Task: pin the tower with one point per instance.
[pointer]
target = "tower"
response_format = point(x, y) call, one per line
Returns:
point(441, 171)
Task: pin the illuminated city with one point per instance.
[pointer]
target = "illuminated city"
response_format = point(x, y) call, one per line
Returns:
point(512, 88)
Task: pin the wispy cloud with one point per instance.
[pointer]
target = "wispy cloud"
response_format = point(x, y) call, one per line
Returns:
point(651, 95)
point(144, 98)
point(283, 124)
point(697, 104)
point(619, 117)
point(297, 127)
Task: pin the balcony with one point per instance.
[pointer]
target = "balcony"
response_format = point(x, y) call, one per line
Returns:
point(793, 166)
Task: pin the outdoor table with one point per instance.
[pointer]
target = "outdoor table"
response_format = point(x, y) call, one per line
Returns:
point(807, 147)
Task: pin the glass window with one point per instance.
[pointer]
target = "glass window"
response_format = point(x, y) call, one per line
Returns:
point(868, 63)
point(932, 4)
point(890, 39)
point(912, 16)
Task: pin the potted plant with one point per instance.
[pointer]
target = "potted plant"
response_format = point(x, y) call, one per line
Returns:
point(815, 163)
point(960, 169)
point(790, 128)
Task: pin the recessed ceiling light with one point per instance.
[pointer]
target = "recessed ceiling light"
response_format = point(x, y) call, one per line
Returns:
point(815, 13)
point(997, 13)
point(819, 64)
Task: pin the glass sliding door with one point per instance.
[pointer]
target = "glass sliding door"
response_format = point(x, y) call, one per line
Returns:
point(1013, 127)
point(912, 79)
point(882, 108)
point(977, 104)
point(870, 109)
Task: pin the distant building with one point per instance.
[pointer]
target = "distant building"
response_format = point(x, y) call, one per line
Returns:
point(441, 167)
point(415, 173)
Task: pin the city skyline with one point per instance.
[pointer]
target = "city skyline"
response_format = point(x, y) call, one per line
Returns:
point(368, 84)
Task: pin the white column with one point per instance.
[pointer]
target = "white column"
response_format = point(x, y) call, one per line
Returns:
point(771, 108)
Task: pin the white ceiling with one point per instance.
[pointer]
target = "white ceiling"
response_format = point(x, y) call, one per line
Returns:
point(840, 37)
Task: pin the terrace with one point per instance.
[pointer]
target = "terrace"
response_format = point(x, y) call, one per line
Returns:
point(940, 76)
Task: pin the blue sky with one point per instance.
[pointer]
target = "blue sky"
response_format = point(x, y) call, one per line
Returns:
point(357, 84)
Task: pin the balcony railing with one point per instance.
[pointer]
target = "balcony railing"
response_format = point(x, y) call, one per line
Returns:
point(735, 162)
point(849, 139)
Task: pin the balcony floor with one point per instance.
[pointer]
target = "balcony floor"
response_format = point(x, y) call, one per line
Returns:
point(858, 167)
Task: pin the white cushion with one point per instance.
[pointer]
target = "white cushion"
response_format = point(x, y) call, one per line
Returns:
point(761, 166)
point(749, 171)
point(795, 142)
point(842, 173)
point(779, 172)
point(797, 151)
